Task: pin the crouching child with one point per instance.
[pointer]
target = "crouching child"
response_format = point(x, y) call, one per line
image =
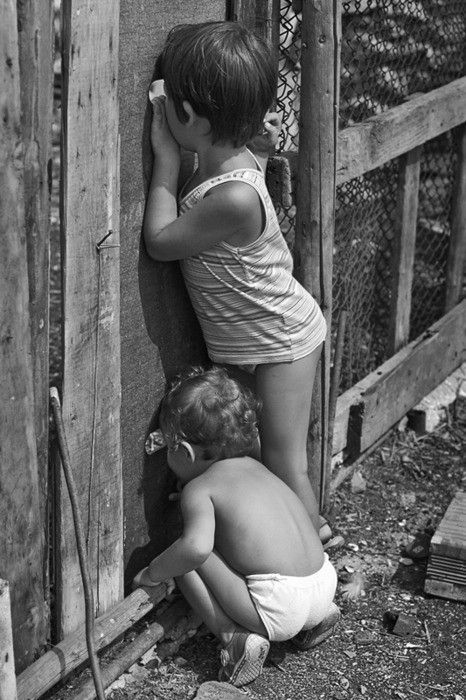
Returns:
point(249, 561)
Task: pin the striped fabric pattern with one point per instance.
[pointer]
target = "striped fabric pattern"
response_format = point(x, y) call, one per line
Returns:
point(250, 307)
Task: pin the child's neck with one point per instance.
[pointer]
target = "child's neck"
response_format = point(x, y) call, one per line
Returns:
point(217, 159)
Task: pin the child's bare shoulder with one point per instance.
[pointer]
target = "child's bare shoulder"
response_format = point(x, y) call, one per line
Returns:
point(236, 197)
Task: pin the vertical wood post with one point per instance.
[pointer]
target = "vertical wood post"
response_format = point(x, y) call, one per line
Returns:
point(404, 247)
point(260, 15)
point(315, 198)
point(21, 541)
point(457, 249)
point(36, 70)
point(7, 658)
point(91, 370)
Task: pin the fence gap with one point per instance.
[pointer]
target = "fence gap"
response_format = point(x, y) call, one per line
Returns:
point(405, 227)
point(91, 362)
point(21, 537)
point(315, 197)
point(457, 247)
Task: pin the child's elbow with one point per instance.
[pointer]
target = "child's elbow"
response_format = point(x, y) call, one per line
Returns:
point(154, 248)
point(199, 552)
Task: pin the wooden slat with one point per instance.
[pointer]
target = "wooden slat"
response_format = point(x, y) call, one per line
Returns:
point(403, 248)
point(21, 541)
point(407, 377)
point(457, 247)
point(400, 383)
point(349, 398)
point(36, 72)
point(315, 198)
point(381, 138)
point(7, 658)
point(260, 15)
point(172, 620)
point(91, 370)
point(70, 653)
point(449, 539)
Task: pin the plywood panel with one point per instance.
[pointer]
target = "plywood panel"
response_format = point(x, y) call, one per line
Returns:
point(157, 323)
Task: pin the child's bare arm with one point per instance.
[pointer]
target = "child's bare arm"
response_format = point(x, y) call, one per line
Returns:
point(193, 547)
point(229, 209)
point(161, 205)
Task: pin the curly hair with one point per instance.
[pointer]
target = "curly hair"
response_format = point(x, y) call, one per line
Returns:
point(210, 409)
point(227, 74)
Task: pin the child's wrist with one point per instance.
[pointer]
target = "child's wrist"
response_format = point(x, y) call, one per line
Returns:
point(147, 579)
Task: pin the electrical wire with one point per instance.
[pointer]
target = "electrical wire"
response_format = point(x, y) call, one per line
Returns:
point(80, 543)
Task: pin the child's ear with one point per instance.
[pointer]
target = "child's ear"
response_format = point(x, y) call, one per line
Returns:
point(191, 114)
point(189, 450)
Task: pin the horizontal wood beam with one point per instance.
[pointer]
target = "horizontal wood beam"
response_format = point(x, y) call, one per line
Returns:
point(381, 138)
point(375, 404)
point(173, 619)
point(70, 653)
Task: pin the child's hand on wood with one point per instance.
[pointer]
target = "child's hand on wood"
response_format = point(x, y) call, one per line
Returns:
point(265, 142)
point(162, 141)
point(143, 580)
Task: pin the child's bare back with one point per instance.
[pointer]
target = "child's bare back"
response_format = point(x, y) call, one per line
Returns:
point(261, 526)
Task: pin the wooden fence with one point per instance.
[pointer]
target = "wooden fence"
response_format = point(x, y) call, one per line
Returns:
point(127, 323)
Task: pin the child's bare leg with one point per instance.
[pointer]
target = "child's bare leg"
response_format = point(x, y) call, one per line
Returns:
point(285, 390)
point(221, 598)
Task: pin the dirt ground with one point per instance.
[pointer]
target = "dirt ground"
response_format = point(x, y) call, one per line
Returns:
point(400, 492)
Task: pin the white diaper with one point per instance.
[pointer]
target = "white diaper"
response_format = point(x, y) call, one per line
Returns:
point(288, 604)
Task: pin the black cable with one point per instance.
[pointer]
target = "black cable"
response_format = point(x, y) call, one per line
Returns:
point(78, 528)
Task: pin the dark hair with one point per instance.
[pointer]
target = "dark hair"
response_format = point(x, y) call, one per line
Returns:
point(210, 409)
point(225, 72)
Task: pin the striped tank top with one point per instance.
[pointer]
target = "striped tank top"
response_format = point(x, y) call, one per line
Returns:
point(250, 307)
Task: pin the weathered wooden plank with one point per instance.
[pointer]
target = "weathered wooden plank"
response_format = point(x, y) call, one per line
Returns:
point(174, 618)
point(403, 249)
point(405, 378)
point(446, 566)
point(412, 373)
point(91, 361)
point(315, 197)
point(7, 657)
point(381, 138)
point(342, 413)
point(21, 540)
point(457, 247)
point(260, 15)
point(36, 72)
point(70, 653)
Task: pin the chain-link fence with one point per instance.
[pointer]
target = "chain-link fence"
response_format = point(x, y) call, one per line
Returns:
point(391, 49)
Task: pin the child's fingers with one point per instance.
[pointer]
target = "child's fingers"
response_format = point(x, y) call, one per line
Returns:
point(142, 580)
point(274, 119)
point(170, 584)
point(158, 105)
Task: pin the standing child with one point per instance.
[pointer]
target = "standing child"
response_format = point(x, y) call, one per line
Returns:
point(220, 80)
point(249, 560)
